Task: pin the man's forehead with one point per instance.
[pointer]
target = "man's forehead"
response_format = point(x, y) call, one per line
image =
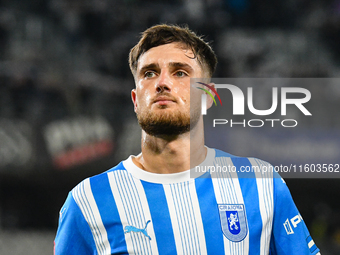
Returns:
point(163, 49)
point(176, 45)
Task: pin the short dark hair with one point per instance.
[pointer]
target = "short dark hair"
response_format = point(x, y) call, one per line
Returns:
point(163, 34)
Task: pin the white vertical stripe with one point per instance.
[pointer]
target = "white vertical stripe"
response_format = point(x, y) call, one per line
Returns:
point(119, 204)
point(84, 198)
point(228, 191)
point(186, 221)
point(133, 211)
point(174, 220)
point(198, 218)
point(265, 189)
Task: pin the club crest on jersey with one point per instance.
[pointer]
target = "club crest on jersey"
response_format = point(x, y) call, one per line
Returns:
point(233, 221)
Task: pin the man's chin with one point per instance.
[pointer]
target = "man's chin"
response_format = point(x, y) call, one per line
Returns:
point(166, 122)
point(164, 130)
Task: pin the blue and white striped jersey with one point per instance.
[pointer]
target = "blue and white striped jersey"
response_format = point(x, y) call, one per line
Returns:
point(127, 210)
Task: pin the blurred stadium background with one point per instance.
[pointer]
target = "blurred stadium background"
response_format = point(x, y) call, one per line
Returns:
point(65, 110)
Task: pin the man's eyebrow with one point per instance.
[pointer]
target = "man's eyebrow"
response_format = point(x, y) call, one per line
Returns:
point(181, 65)
point(151, 66)
point(154, 66)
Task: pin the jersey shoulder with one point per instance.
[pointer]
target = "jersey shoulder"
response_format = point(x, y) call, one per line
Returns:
point(220, 153)
point(97, 180)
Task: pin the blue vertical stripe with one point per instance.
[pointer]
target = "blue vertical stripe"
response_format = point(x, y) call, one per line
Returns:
point(210, 216)
point(249, 186)
point(160, 217)
point(186, 217)
point(109, 213)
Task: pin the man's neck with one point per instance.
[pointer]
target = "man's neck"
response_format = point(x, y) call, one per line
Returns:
point(176, 154)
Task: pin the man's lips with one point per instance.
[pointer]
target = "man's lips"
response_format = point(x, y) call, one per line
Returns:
point(163, 100)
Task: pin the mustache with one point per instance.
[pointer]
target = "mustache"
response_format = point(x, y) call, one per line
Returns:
point(164, 96)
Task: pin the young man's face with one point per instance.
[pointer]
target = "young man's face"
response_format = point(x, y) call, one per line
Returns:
point(162, 95)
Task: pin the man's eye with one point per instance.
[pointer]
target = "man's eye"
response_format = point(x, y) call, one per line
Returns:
point(180, 74)
point(149, 74)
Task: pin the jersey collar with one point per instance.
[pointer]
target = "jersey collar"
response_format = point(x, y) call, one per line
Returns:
point(184, 176)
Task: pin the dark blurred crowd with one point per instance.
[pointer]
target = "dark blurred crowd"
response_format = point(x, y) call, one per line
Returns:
point(68, 58)
point(58, 56)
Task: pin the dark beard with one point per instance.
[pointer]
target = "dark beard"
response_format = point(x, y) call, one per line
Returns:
point(167, 124)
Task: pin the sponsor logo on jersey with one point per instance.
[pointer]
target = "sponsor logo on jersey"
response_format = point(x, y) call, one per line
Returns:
point(288, 227)
point(233, 221)
point(129, 229)
point(293, 221)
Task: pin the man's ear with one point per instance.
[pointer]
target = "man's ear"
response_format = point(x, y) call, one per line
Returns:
point(134, 100)
point(210, 100)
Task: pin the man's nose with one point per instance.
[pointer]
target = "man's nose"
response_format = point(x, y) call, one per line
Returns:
point(164, 82)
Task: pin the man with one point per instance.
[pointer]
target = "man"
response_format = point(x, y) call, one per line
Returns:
point(148, 204)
